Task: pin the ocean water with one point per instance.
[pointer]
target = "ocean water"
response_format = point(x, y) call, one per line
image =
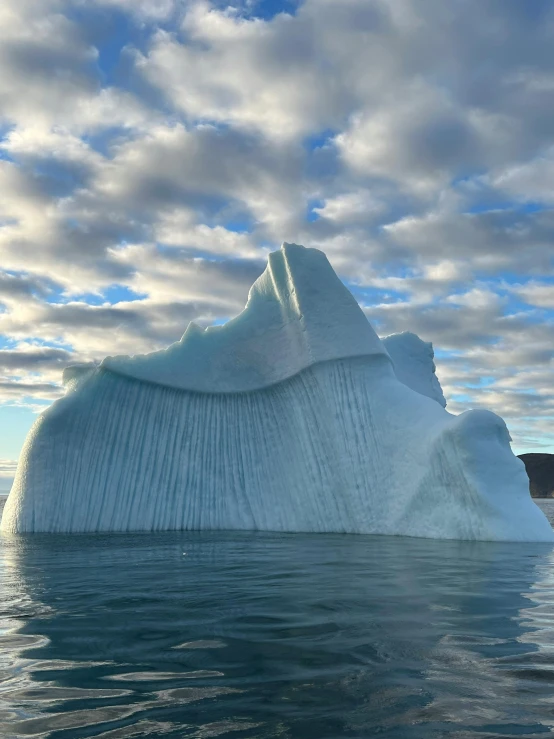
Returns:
point(266, 635)
point(547, 506)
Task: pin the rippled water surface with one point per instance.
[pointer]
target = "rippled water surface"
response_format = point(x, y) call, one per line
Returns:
point(267, 635)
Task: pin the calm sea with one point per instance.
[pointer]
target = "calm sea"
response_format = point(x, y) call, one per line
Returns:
point(266, 635)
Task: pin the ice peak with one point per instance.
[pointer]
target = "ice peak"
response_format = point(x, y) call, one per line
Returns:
point(298, 313)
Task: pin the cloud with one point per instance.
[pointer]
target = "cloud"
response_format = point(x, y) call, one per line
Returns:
point(27, 357)
point(7, 472)
point(16, 389)
point(20, 286)
point(162, 274)
point(152, 10)
point(495, 240)
point(531, 181)
point(537, 294)
point(457, 322)
point(349, 208)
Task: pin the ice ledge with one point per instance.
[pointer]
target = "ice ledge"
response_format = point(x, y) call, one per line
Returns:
point(298, 314)
point(414, 365)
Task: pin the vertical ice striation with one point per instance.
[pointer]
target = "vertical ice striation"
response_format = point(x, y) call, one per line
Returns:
point(291, 417)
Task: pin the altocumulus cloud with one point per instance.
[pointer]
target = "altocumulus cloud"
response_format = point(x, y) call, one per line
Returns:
point(152, 153)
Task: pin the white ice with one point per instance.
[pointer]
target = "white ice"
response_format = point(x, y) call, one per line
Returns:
point(291, 417)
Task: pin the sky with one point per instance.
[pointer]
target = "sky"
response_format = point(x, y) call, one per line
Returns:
point(152, 152)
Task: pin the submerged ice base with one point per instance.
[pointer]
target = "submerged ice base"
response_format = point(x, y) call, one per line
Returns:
point(307, 427)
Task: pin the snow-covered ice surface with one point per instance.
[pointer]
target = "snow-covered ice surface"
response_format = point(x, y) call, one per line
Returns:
point(291, 417)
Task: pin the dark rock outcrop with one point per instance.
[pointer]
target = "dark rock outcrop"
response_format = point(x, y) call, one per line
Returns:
point(540, 469)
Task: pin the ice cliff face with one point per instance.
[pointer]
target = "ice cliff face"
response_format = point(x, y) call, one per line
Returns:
point(291, 417)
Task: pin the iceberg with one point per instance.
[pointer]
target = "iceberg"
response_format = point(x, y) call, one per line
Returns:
point(294, 416)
